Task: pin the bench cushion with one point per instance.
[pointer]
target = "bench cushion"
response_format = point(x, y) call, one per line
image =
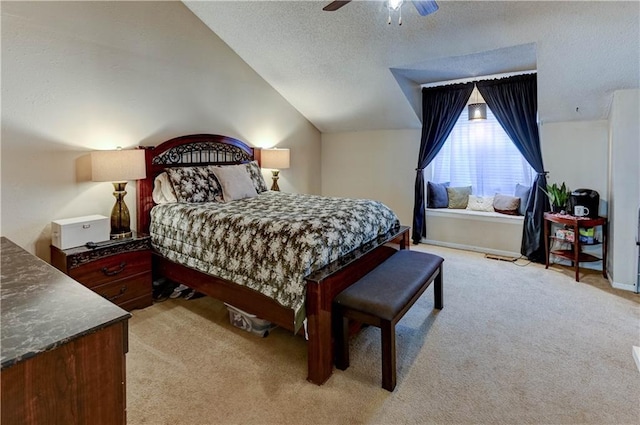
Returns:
point(387, 289)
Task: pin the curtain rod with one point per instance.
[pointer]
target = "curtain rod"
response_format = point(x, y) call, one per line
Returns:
point(478, 78)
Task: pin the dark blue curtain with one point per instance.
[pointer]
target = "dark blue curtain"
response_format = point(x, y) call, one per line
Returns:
point(441, 108)
point(514, 102)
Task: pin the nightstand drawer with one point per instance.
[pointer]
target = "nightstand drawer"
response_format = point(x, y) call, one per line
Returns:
point(114, 267)
point(123, 290)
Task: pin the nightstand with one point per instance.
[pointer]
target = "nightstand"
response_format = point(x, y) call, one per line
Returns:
point(118, 270)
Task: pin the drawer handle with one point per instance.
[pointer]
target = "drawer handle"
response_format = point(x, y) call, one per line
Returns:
point(118, 295)
point(114, 271)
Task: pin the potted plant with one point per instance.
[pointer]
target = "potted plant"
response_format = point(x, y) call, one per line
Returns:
point(558, 196)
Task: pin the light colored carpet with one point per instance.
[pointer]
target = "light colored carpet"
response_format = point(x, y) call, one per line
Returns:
point(513, 345)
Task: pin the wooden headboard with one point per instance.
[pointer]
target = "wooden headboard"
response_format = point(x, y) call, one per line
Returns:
point(183, 151)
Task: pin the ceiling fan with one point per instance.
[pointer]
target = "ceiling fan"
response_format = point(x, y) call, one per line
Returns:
point(424, 7)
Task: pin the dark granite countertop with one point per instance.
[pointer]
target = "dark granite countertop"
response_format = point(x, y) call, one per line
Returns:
point(42, 308)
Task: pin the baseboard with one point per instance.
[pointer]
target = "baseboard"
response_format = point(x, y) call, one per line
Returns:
point(636, 356)
point(481, 249)
point(623, 286)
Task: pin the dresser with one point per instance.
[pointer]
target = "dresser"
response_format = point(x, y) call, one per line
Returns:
point(62, 347)
point(119, 270)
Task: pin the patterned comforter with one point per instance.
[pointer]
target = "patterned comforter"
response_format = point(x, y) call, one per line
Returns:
point(269, 242)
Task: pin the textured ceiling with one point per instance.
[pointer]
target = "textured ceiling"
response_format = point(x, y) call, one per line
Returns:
point(349, 70)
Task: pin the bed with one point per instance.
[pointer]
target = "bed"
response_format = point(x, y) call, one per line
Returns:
point(238, 280)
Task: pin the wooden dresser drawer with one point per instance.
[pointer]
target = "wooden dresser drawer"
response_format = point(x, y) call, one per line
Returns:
point(112, 268)
point(119, 270)
point(123, 290)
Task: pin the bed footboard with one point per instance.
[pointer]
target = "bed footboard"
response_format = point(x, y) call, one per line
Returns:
point(326, 283)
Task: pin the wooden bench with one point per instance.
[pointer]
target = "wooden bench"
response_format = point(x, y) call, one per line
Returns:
point(381, 298)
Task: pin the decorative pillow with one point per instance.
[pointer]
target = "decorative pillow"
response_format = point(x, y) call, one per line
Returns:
point(437, 195)
point(236, 182)
point(256, 176)
point(458, 196)
point(194, 184)
point(162, 190)
point(506, 204)
point(480, 203)
point(522, 192)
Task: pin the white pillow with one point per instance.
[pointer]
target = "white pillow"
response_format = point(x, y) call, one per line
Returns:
point(480, 203)
point(235, 181)
point(163, 190)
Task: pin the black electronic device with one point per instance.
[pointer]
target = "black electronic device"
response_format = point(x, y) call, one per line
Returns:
point(588, 199)
point(102, 244)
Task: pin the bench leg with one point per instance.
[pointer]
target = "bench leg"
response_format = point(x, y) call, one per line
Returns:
point(437, 291)
point(341, 340)
point(388, 355)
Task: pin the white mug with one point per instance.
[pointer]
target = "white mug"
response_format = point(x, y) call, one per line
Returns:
point(580, 211)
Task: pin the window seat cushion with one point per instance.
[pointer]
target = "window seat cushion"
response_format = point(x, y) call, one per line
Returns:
point(474, 215)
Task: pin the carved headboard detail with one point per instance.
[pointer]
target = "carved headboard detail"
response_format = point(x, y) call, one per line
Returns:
point(183, 151)
point(202, 153)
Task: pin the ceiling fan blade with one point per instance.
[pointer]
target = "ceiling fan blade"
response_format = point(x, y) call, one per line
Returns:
point(335, 5)
point(424, 7)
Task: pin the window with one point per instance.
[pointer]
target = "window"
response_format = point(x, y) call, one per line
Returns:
point(481, 155)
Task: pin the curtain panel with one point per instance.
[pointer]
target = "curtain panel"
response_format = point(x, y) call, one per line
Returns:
point(441, 107)
point(514, 102)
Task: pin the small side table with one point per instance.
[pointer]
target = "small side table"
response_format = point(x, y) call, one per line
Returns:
point(575, 255)
point(118, 270)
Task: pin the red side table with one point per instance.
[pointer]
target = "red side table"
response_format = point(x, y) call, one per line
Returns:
point(575, 255)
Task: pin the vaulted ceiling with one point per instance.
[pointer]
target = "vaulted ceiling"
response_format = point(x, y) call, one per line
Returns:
point(349, 70)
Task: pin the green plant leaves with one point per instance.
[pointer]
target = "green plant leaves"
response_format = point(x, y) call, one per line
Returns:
point(558, 195)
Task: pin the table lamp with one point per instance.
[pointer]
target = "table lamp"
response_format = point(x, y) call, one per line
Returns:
point(276, 160)
point(118, 167)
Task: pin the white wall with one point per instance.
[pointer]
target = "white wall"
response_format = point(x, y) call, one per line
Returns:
point(79, 76)
point(377, 165)
point(624, 188)
point(576, 153)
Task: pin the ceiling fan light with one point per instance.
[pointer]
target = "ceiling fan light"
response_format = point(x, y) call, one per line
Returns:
point(395, 4)
point(477, 111)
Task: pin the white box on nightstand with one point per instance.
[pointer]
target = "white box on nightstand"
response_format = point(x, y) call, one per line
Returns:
point(71, 232)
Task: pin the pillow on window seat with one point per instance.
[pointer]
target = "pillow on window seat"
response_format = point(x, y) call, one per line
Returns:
point(522, 192)
point(506, 204)
point(480, 203)
point(437, 195)
point(458, 197)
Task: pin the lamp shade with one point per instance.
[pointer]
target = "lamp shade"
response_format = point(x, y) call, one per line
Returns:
point(477, 111)
point(118, 165)
point(277, 159)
